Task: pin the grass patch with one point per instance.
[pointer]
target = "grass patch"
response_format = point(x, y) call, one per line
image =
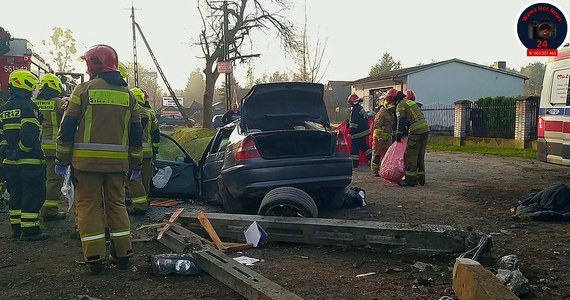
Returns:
point(512, 152)
point(193, 140)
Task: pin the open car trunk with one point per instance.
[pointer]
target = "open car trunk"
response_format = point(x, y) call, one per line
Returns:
point(283, 106)
point(295, 143)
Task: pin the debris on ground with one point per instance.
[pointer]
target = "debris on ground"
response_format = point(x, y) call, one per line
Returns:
point(247, 261)
point(550, 204)
point(425, 266)
point(509, 262)
point(164, 202)
point(255, 234)
point(365, 274)
point(180, 264)
point(508, 274)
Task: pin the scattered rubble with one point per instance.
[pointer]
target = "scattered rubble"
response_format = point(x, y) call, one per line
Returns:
point(510, 275)
point(425, 266)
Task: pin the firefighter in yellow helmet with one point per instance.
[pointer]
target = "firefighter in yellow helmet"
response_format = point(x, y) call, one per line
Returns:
point(24, 160)
point(382, 135)
point(123, 70)
point(101, 138)
point(139, 188)
point(51, 107)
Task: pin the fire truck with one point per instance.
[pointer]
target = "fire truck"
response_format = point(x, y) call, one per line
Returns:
point(18, 53)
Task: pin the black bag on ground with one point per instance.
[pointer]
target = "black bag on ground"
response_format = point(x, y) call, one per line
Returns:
point(550, 204)
point(354, 197)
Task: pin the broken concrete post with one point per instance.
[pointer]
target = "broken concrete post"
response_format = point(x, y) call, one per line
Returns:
point(241, 279)
point(424, 239)
point(472, 281)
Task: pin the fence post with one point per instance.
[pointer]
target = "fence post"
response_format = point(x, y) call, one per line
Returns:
point(462, 121)
point(525, 118)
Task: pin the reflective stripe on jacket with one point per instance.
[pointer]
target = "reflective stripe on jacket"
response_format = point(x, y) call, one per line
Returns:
point(52, 112)
point(411, 119)
point(101, 140)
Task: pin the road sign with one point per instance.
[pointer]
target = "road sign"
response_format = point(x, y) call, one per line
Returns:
point(224, 67)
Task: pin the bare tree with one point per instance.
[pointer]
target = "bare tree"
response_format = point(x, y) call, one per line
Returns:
point(245, 16)
point(309, 56)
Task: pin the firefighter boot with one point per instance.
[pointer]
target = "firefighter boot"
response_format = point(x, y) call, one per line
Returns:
point(33, 234)
point(422, 180)
point(121, 262)
point(95, 268)
point(16, 232)
point(58, 216)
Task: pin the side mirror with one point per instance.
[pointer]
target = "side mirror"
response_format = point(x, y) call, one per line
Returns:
point(180, 158)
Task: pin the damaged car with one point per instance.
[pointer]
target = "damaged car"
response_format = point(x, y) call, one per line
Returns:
point(281, 158)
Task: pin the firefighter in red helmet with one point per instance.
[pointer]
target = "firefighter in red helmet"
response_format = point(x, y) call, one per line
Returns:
point(410, 95)
point(100, 137)
point(358, 130)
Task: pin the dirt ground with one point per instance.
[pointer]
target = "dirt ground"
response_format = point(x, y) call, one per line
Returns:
point(463, 190)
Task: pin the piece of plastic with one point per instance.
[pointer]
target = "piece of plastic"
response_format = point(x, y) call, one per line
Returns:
point(392, 168)
point(160, 179)
point(67, 188)
point(181, 264)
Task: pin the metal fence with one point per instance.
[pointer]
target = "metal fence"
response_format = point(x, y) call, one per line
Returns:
point(493, 119)
point(440, 117)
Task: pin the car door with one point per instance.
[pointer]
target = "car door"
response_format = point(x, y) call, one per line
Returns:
point(182, 183)
point(213, 160)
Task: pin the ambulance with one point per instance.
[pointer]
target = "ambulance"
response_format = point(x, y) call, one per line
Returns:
point(553, 143)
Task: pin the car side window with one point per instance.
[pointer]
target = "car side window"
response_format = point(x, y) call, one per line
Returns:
point(222, 142)
point(169, 151)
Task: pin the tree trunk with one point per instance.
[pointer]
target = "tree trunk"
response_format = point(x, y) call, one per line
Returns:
point(208, 99)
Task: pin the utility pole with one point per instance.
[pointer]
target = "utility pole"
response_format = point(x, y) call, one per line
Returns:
point(136, 65)
point(228, 88)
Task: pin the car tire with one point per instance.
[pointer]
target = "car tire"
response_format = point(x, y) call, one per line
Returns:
point(337, 198)
point(229, 204)
point(288, 201)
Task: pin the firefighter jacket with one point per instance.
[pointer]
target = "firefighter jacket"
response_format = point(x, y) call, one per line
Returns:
point(383, 123)
point(101, 129)
point(410, 118)
point(358, 123)
point(151, 133)
point(20, 131)
point(52, 112)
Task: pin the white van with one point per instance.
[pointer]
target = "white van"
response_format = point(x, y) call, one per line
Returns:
point(553, 134)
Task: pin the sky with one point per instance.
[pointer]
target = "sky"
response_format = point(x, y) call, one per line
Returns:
point(357, 33)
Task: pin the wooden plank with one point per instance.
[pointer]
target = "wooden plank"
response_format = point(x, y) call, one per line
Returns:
point(472, 281)
point(398, 237)
point(172, 219)
point(210, 230)
point(240, 278)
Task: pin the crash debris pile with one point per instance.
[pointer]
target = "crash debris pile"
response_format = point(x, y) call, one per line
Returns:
point(201, 244)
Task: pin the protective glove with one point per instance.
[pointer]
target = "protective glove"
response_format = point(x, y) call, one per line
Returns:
point(134, 174)
point(60, 169)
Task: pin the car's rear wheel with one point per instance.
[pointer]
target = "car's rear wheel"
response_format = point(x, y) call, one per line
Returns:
point(229, 204)
point(288, 202)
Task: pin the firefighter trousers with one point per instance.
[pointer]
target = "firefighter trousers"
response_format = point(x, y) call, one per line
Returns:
point(380, 144)
point(26, 197)
point(53, 189)
point(146, 173)
point(356, 145)
point(138, 193)
point(90, 203)
point(414, 158)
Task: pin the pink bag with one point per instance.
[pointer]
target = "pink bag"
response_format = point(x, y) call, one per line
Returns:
point(392, 168)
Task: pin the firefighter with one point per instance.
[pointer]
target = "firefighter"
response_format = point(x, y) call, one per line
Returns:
point(358, 130)
point(101, 138)
point(410, 95)
point(123, 70)
point(51, 107)
point(382, 135)
point(24, 160)
point(139, 188)
point(411, 123)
